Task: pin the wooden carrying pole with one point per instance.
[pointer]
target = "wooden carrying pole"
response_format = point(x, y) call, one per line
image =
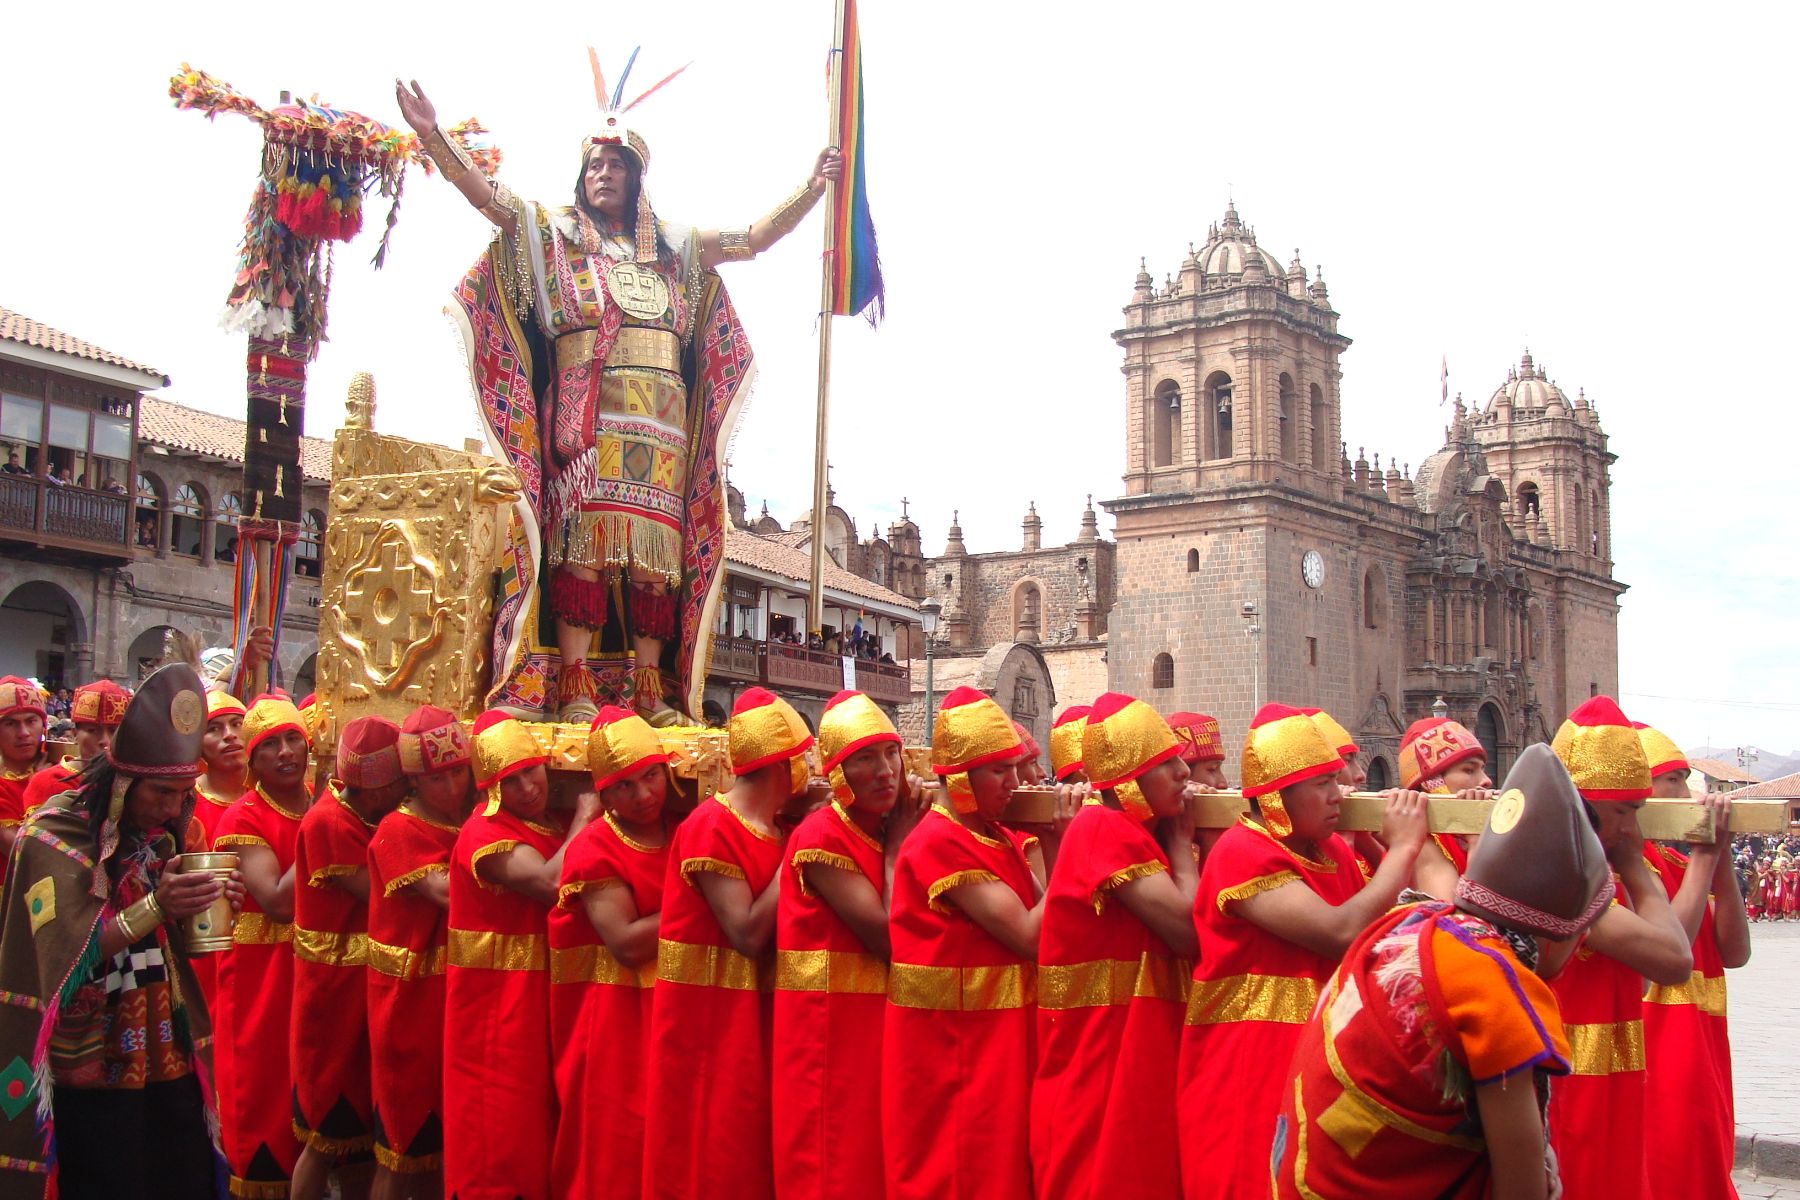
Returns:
point(815, 608)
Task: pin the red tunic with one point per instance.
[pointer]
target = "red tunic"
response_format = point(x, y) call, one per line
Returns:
point(600, 1018)
point(1110, 1001)
point(209, 810)
point(407, 935)
point(706, 1129)
point(53, 780)
point(499, 1097)
point(957, 1042)
point(329, 1040)
point(256, 985)
point(1455, 849)
point(1689, 1119)
point(1372, 1105)
point(1252, 994)
point(12, 804)
point(830, 1001)
point(1597, 1113)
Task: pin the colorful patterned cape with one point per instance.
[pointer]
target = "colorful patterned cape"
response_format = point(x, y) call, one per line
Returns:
point(509, 364)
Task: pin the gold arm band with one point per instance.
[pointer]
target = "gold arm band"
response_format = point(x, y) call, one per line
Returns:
point(734, 246)
point(450, 158)
point(790, 212)
point(141, 919)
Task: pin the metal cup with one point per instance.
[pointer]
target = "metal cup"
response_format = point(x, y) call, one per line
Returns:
point(209, 930)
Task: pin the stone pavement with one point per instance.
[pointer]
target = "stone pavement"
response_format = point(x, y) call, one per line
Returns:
point(1764, 1000)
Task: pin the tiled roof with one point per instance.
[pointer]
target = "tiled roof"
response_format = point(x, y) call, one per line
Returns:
point(17, 327)
point(1713, 768)
point(182, 428)
point(747, 549)
point(1782, 787)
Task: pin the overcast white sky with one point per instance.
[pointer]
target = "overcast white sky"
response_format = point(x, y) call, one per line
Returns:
point(1611, 187)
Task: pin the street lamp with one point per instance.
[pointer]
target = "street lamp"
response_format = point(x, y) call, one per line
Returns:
point(928, 621)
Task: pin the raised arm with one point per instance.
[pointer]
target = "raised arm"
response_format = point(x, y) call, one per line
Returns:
point(481, 192)
point(741, 245)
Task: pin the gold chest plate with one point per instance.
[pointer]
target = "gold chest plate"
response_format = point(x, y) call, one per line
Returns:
point(637, 289)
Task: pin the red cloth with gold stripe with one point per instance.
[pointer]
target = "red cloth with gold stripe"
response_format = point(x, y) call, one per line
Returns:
point(1252, 994)
point(1428, 1004)
point(256, 990)
point(53, 780)
point(1110, 1001)
point(1455, 848)
point(1690, 1121)
point(12, 805)
point(957, 1046)
point(407, 938)
point(600, 1018)
point(1597, 1113)
point(499, 1096)
point(706, 1128)
point(329, 1040)
point(830, 999)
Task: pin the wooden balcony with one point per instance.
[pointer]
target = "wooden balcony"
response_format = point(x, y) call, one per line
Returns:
point(737, 658)
point(64, 517)
point(816, 671)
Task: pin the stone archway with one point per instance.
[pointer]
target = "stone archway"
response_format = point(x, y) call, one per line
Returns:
point(1490, 731)
point(145, 652)
point(1018, 678)
point(44, 636)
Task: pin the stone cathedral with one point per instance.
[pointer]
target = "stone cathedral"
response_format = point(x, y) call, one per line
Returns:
point(1254, 561)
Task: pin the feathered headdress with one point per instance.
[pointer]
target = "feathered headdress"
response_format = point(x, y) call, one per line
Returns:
point(614, 132)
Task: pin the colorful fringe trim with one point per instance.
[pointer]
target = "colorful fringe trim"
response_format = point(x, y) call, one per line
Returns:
point(580, 602)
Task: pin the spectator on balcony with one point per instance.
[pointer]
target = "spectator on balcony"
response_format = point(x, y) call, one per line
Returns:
point(146, 532)
point(55, 477)
point(12, 466)
point(113, 485)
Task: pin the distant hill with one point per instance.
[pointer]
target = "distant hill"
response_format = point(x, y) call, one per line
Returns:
point(1766, 765)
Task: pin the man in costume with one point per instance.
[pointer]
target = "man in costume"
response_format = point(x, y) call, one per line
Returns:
point(256, 976)
point(409, 905)
point(967, 908)
point(603, 943)
point(1442, 758)
point(616, 322)
point(22, 721)
point(499, 1093)
point(1597, 1121)
point(707, 1128)
point(96, 710)
point(1690, 1123)
point(1065, 745)
point(1113, 963)
point(831, 960)
point(104, 1039)
point(227, 763)
point(1280, 899)
point(1202, 749)
point(1424, 1071)
point(329, 1046)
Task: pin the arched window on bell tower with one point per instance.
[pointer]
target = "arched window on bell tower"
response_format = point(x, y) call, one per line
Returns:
point(1321, 430)
point(1290, 433)
point(1165, 424)
point(1218, 409)
point(1530, 503)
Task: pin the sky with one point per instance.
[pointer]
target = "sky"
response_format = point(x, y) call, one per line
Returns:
point(1609, 188)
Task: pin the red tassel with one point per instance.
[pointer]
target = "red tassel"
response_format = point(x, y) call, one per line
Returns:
point(580, 602)
point(652, 613)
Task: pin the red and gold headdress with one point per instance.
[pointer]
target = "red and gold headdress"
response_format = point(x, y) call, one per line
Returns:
point(1602, 752)
point(20, 695)
point(101, 702)
point(851, 722)
point(1336, 736)
point(309, 715)
point(1066, 740)
point(620, 744)
point(432, 740)
point(1199, 735)
point(1284, 747)
point(763, 729)
point(1660, 749)
point(270, 714)
point(368, 753)
point(614, 132)
point(971, 731)
point(1124, 738)
point(1431, 747)
point(223, 704)
point(502, 747)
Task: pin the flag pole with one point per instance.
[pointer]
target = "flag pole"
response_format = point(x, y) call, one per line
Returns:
point(835, 89)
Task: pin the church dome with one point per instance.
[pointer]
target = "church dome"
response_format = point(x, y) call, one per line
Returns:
point(1528, 389)
point(1230, 246)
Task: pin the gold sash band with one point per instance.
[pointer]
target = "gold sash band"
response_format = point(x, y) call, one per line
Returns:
point(255, 929)
point(595, 964)
point(962, 989)
point(1113, 981)
point(708, 966)
point(485, 950)
point(331, 949)
point(1705, 993)
point(1284, 999)
point(842, 971)
point(401, 962)
point(1606, 1049)
point(635, 346)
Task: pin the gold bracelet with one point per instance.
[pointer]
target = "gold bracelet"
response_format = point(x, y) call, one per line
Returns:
point(450, 158)
point(131, 935)
point(142, 918)
point(734, 246)
point(790, 212)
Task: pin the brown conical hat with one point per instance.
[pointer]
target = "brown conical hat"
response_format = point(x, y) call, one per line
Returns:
point(1539, 866)
point(163, 725)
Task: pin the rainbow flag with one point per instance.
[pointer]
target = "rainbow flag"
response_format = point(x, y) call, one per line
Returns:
point(856, 266)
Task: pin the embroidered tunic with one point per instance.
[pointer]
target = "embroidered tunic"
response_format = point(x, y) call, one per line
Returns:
point(707, 1126)
point(499, 1098)
point(830, 1003)
point(1252, 993)
point(1111, 996)
point(329, 1048)
point(957, 1040)
point(407, 936)
point(600, 1018)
